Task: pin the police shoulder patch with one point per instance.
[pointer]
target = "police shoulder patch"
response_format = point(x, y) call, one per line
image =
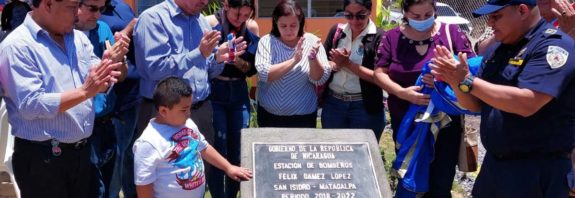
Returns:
point(556, 56)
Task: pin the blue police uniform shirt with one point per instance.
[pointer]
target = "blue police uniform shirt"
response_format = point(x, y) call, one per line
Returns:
point(543, 61)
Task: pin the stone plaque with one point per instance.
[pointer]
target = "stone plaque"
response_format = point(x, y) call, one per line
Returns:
point(317, 163)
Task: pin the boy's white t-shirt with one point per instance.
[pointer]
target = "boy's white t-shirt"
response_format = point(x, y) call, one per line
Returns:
point(169, 158)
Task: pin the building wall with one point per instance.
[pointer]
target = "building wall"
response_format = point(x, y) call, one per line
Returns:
point(317, 26)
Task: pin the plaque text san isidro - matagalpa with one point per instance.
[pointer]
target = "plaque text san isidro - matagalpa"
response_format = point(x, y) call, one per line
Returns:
point(314, 170)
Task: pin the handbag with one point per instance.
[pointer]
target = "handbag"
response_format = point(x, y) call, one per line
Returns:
point(467, 161)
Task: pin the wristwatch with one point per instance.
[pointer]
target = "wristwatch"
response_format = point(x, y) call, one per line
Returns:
point(466, 85)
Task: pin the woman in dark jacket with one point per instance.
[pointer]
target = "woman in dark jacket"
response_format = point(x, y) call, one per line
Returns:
point(351, 99)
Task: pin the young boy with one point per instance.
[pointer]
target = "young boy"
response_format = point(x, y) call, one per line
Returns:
point(168, 156)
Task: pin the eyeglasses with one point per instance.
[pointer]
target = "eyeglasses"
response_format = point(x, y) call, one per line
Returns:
point(94, 9)
point(358, 16)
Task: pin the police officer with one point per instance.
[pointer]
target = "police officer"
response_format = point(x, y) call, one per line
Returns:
point(524, 91)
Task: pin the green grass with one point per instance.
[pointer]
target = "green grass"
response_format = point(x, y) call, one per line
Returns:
point(386, 147)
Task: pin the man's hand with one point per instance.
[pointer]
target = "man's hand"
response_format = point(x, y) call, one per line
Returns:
point(239, 173)
point(129, 29)
point(444, 67)
point(101, 76)
point(565, 15)
point(209, 42)
point(223, 53)
point(120, 48)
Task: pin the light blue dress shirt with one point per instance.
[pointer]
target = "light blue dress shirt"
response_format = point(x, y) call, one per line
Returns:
point(34, 72)
point(166, 42)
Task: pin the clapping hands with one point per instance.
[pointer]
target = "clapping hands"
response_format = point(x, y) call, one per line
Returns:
point(445, 67)
point(565, 15)
point(101, 76)
point(223, 55)
point(298, 54)
point(120, 47)
point(340, 57)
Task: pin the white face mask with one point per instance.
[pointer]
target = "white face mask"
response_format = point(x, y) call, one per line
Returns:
point(421, 26)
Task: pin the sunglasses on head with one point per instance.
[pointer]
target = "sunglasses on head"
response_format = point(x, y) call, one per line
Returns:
point(94, 9)
point(359, 16)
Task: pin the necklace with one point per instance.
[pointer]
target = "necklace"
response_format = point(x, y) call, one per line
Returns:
point(421, 46)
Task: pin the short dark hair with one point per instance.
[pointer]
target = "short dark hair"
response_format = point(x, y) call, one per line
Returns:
point(406, 4)
point(36, 3)
point(8, 14)
point(242, 3)
point(287, 8)
point(365, 3)
point(170, 90)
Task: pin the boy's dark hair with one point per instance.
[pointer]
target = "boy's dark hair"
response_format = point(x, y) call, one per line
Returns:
point(287, 8)
point(365, 3)
point(170, 90)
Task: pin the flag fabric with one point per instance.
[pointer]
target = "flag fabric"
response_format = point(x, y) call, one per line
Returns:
point(418, 132)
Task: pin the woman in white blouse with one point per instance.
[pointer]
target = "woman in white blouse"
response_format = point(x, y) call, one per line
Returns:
point(290, 65)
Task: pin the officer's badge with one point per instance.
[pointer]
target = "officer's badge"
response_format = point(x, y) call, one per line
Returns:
point(550, 31)
point(556, 56)
point(360, 50)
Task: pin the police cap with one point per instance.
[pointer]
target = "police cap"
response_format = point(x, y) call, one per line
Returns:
point(494, 5)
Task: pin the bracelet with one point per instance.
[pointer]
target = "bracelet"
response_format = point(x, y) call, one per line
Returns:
point(312, 56)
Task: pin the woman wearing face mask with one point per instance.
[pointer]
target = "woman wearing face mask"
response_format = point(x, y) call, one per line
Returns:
point(402, 55)
point(290, 64)
point(351, 98)
point(229, 91)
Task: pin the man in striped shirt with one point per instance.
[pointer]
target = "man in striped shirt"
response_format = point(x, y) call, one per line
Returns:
point(49, 74)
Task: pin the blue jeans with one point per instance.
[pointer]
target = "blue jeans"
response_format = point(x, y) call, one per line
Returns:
point(231, 111)
point(339, 114)
point(123, 177)
point(102, 144)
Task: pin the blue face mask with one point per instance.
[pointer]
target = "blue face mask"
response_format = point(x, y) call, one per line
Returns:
point(421, 26)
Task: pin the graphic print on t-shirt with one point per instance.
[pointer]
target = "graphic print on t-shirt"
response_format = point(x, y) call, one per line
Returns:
point(185, 155)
